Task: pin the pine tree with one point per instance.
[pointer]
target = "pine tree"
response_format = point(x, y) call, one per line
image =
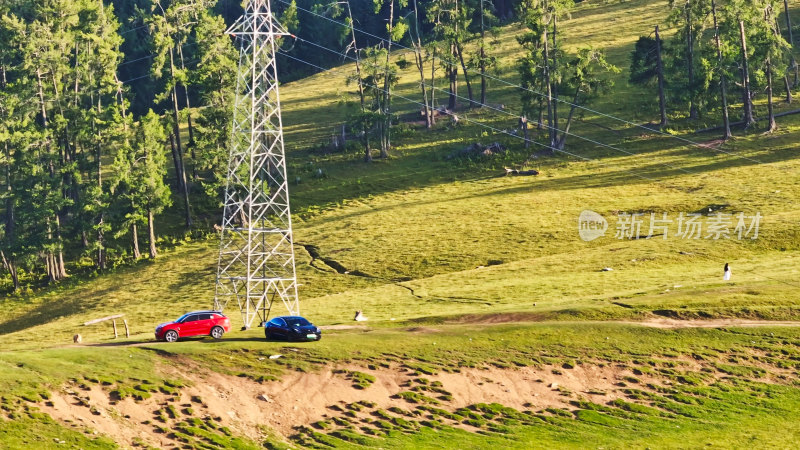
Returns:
point(140, 170)
point(215, 80)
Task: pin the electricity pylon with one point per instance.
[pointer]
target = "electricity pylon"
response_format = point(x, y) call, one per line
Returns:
point(256, 257)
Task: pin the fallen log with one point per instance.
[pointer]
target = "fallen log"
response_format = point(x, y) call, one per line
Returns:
point(530, 172)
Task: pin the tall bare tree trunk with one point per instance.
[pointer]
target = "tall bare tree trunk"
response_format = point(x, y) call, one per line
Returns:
point(540, 120)
point(186, 206)
point(662, 101)
point(563, 139)
point(523, 123)
point(421, 67)
point(56, 268)
point(746, 98)
point(483, 60)
point(551, 127)
point(553, 77)
point(466, 78)
point(176, 163)
point(135, 239)
point(772, 125)
point(364, 125)
point(433, 85)
point(10, 265)
point(786, 84)
point(61, 269)
point(791, 44)
point(726, 123)
point(101, 251)
point(453, 71)
point(152, 234)
point(690, 61)
point(189, 119)
point(177, 133)
point(387, 95)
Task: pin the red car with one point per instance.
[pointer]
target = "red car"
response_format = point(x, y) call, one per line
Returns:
point(195, 323)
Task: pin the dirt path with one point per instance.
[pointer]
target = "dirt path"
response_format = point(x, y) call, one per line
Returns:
point(710, 323)
point(496, 319)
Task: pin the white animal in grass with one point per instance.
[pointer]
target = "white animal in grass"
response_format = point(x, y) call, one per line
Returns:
point(359, 317)
point(726, 276)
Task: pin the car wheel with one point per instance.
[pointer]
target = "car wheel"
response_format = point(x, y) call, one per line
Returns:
point(267, 335)
point(217, 332)
point(171, 336)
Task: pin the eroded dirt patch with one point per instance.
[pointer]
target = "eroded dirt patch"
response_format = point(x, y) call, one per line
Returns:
point(303, 399)
point(350, 401)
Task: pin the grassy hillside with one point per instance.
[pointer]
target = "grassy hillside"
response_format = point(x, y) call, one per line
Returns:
point(461, 268)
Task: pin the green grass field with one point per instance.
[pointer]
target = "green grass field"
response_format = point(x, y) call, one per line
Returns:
point(461, 272)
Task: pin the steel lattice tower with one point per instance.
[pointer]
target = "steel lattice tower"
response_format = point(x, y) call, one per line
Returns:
point(256, 257)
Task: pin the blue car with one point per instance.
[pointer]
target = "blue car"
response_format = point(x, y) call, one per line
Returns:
point(291, 328)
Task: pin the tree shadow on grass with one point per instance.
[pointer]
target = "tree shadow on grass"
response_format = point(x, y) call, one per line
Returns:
point(653, 173)
point(51, 310)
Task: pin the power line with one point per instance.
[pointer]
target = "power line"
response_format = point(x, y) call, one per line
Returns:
point(133, 29)
point(509, 113)
point(497, 130)
point(585, 108)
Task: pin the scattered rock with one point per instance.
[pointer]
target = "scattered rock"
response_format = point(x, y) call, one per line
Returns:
point(606, 269)
point(77, 339)
point(553, 386)
point(359, 317)
point(275, 356)
point(264, 398)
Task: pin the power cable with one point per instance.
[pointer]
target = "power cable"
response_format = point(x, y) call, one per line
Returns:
point(568, 133)
point(489, 127)
point(540, 94)
point(497, 130)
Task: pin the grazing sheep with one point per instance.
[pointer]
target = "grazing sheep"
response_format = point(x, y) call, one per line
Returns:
point(77, 339)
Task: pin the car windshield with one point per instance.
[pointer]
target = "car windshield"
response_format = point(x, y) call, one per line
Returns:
point(182, 318)
point(297, 322)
